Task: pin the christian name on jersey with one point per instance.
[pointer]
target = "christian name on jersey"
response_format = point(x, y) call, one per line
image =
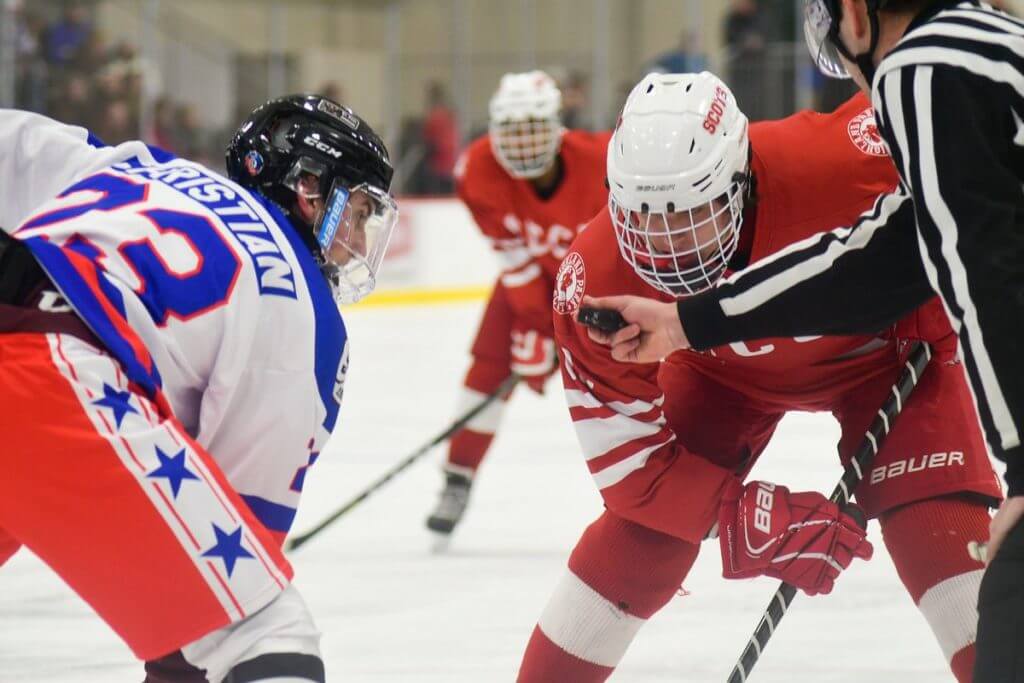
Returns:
point(275, 276)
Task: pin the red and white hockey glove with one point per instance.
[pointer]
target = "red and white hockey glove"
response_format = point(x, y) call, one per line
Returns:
point(533, 356)
point(802, 538)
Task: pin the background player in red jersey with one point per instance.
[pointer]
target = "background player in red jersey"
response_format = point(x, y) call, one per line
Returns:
point(531, 187)
point(669, 443)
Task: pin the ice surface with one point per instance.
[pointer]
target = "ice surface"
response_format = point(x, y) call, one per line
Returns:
point(392, 611)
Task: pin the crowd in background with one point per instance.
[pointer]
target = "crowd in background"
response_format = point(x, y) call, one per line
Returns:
point(68, 70)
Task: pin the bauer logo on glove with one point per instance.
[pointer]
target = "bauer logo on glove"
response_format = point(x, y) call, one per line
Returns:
point(801, 538)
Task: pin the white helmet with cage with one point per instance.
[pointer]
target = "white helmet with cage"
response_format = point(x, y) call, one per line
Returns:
point(678, 169)
point(525, 129)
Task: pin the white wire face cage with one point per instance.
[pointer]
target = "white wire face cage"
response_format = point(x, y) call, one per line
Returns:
point(680, 252)
point(526, 148)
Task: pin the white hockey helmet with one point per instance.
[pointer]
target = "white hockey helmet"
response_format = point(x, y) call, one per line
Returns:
point(525, 129)
point(678, 168)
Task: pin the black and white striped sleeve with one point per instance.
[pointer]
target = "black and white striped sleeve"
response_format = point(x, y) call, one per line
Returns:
point(958, 125)
point(849, 280)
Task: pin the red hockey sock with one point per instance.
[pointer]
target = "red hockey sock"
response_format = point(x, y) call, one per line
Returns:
point(619, 575)
point(928, 543)
point(467, 448)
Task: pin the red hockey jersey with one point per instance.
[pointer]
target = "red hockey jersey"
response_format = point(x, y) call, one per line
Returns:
point(812, 171)
point(532, 234)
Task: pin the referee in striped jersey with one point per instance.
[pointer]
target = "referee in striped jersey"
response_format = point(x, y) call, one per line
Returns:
point(947, 82)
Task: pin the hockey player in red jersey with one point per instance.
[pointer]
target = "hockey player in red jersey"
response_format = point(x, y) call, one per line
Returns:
point(531, 186)
point(693, 195)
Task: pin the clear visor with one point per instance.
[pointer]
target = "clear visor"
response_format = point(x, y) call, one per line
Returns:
point(526, 147)
point(681, 252)
point(817, 31)
point(353, 232)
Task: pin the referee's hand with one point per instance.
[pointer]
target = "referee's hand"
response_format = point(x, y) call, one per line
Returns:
point(652, 330)
point(1007, 517)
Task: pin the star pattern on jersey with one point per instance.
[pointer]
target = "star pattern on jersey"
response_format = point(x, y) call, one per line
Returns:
point(117, 401)
point(173, 469)
point(228, 547)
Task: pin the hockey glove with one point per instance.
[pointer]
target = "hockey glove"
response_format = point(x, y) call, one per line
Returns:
point(533, 356)
point(929, 323)
point(802, 538)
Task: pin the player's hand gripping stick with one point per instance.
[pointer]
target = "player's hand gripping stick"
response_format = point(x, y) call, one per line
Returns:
point(802, 538)
point(920, 354)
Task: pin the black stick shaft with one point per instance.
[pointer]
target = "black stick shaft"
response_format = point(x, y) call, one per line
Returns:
point(920, 354)
point(506, 386)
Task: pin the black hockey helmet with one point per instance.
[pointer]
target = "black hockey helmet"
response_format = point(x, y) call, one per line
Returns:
point(821, 29)
point(301, 137)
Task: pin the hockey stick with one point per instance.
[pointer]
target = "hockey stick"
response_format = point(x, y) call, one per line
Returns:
point(505, 387)
point(920, 354)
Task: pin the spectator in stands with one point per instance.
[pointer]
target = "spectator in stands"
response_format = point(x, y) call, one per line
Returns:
point(162, 128)
point(116, 125)
point(686, 58)
point(574, 101)
point(332, 91)
point(71, 101)
point(31, 74)
point(189, 134)
point(66, 36)
point(745, 35)
point(441, 137)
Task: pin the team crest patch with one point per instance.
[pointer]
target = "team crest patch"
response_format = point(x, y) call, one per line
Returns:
point(253, 162)
point(863, 131)
point(569, 285)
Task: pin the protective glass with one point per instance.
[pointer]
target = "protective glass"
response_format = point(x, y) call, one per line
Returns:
point(821, 39)
point(353, 232)
point(526, 147)
point(682, 252)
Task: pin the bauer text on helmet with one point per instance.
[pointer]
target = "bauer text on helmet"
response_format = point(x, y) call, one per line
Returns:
point(525, 129)
point(677, 174)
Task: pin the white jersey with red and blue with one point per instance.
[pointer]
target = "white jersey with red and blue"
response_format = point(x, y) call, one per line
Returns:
point(202, 290)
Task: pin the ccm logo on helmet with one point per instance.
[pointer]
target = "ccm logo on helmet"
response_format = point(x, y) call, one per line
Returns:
point(763, 507)
point(717, 110)
point(322, 146)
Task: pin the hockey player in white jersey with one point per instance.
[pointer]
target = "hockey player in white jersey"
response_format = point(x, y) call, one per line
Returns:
point(171, 362)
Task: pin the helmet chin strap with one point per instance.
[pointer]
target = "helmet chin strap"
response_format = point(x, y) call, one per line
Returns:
point(866, 60)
